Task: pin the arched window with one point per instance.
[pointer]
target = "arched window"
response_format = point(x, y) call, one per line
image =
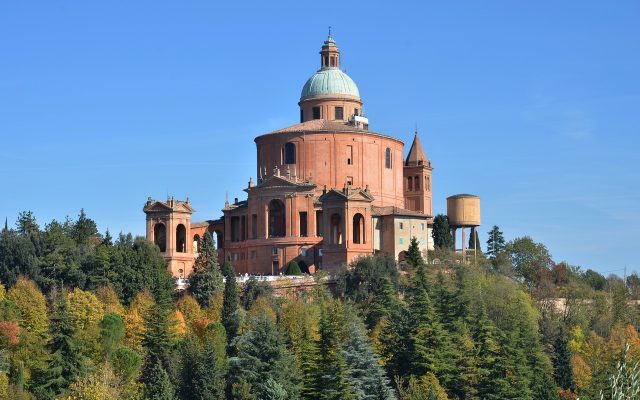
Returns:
point(410, 183)
point(358, 229)
point(289, 153)
point(336, 229)
point(417, 180)
point(160, 237)
point(181, 239)
point(427, 183)
point(387, 158)
point(196, 243)
point(277, 218)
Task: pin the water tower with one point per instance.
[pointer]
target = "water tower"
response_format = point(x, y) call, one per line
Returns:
point(463, 211)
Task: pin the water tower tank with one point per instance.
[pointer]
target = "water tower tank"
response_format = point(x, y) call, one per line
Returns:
point(463, 210)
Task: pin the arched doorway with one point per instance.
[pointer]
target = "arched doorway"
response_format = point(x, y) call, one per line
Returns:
point(358, 229)
point(160, 236)
point(336, 229)
point(277, 218)
point(181, 239)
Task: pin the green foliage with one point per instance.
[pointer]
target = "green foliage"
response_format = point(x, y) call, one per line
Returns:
point(293, 269)
point(157, 384)
point(230, 314)
point(206, 279)
point(67, 362)
point(441, 232)
point(563, 372)
point(413, 255)
point(111, 333)
point(253, 289)
point(495, 243)
point(261, 354)
point(624, 383)
point(372, 283)
point(364, 376)
point(528, 258)
point(474, 240)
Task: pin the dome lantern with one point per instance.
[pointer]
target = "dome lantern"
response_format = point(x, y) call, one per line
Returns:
point(330, 93)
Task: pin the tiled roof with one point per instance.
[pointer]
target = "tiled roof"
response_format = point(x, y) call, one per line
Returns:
point(320, 125)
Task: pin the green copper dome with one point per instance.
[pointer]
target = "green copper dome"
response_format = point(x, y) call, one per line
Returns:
point(329, 81)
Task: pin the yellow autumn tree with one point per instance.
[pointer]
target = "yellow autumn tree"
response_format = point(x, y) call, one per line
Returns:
point(179, 324)
point(134, 319)
point(32, 306)
point(190, 309)
point(214, 311)
point(110, 300)
point(86, 312)
point(103, 384)
point(3, 291)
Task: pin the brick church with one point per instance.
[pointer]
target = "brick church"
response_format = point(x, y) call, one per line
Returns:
point(327, 190)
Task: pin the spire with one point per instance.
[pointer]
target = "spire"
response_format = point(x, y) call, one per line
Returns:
point(6, 224)
point(416, 153)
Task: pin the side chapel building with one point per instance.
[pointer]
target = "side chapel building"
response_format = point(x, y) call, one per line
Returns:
point(328, 190)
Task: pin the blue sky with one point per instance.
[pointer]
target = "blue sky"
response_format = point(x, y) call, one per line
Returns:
point(534, 106)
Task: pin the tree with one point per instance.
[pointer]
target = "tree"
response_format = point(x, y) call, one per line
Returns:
point(624, 383)
point(529, 259)
point(372, 283)
point(205, 280)
point(413, 255)
point(441, 232)
point(495, 242)
point(594, 279)
point(230, 316)
point(157, 384)
point(293, 269)
point(474, 240)
point(332, 369)
point(261, 354)
point(208, 381)
point(365, 376)
point(83, 228)
point(67, 362)
point(111, 333)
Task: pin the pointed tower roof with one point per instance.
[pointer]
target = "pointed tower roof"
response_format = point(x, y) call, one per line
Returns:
point(416, 153)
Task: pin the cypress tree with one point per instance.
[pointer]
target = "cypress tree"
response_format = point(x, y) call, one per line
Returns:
point(413, 255)
point(205, 279)
point(293, 269)
point(441, 232)
point(230, 317)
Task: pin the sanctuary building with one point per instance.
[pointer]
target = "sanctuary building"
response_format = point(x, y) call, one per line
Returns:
point(327, 190)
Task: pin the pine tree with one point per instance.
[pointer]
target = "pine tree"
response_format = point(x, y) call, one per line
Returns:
point(208, 382)
point(67, 362)
point(205, 279)
point(430, 345)
point(413, 255)
point(495, 242)
point(332, 367)
point(157, 384)
point(396, 341)
point(158, 340)
point(308, 359)
point(563, 372)
point(365, 376)
point(441, 232)
point(261, 354)
point(230, 316)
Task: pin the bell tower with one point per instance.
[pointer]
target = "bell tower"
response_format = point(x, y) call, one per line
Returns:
point(417, 179)
point(169, 228)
